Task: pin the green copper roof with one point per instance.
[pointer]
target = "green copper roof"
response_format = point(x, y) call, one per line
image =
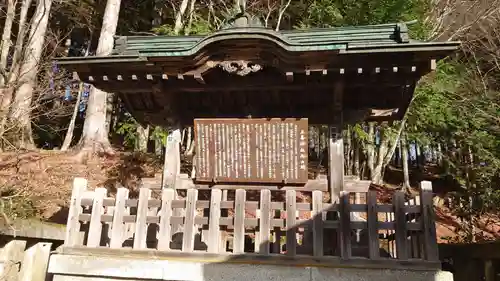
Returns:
point(292, 41)
point(345, 40)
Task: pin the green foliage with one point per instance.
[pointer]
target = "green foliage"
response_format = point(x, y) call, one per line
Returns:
point(451, 108)
point(159, 134)
point(165, 29)
point(127, 128)
point(329, 13)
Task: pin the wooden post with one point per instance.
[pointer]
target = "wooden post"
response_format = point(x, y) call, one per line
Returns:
point(239, 222)
point(400, 225)
point(75, 209)
point(141, 226)
point(95, 226)
point(318, 223)
point(291, 213)
point(118, 228)
point(336, 147)
point(172, 164)
point(372, 218)
point(214, 228)
point(12, 255)
point(265, 221)
point(428, 222)
point(165, 232)
point(345, 226)
point(35, 263)
point(189, 226)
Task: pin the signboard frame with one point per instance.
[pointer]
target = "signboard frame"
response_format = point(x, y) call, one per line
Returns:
point(251, 150)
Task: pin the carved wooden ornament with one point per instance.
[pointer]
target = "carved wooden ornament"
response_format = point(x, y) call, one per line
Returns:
point(238, 67)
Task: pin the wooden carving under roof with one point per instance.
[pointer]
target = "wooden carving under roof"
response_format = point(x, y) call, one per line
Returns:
point(246, 70)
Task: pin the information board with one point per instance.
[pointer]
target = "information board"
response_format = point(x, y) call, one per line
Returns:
point(251, 150)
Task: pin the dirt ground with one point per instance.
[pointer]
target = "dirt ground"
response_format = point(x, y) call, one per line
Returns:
point(40, 183)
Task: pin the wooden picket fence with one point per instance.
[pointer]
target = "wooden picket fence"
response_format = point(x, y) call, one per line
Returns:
point(210, 223)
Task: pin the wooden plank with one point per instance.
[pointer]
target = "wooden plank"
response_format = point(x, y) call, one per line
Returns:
point(336, 146)
point(118, 227)
point(336, 165)
point(214, 227)
point(345, 226)
point(165, 231)
point(239, 222)
point(35, 263)
point(72, 237)
point(372, 219)
point(317, 214)
point(401, 229)
point(291, 213)
point(141, 226)
point(428, 222)
point(12, 256)
point(71, 264)
point(413, 247)
point(189, 223)
point(265, 221)
point(178, 211)
point(95, 227)
point(171, 165)
point(418, 236)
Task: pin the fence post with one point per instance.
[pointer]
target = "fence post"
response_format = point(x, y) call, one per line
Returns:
point(372, 221)
point(400, 225)
point(35, 263)
point(345, 226)
point(12, 255)
point(75, 209)
point(428, 222)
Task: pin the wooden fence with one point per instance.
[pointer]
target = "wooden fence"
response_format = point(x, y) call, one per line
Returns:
point(254, 221)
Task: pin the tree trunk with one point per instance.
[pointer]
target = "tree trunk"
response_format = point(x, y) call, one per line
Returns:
point(5, 91)
point(370, 147)
point(191, 14)
point(142, 138)
point(281, 13)
point(21, 108)
point(18, 56)
point(6, 42)
point(376, 175)
point(69, 134)
point(110, 108)
point(439, 155)
point(395, 142)
point(348, 151)
point(95, 136)
point(357, 154)
point(159, 147)
point(404, 156)
point(418, 156)
point(188, 140)
point(179, 18)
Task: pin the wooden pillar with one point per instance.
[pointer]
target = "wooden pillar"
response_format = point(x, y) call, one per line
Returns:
point(172, 164)
point(336, 147)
